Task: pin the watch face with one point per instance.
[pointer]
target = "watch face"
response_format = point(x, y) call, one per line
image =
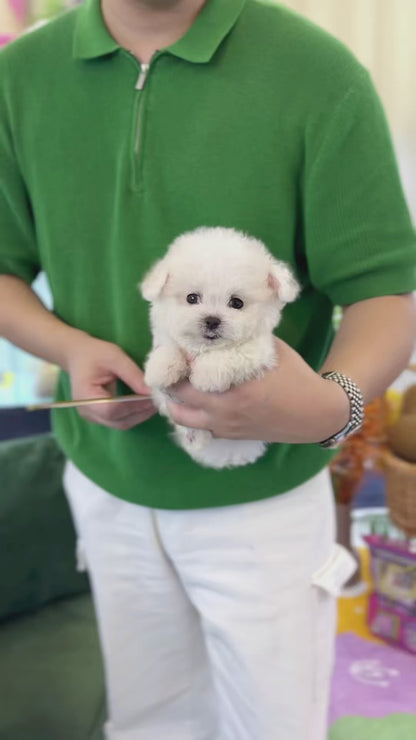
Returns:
point(336, 443)
point(337, 439)
point(331, 444)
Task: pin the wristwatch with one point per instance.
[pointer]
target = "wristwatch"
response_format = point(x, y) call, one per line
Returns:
point(356, 419)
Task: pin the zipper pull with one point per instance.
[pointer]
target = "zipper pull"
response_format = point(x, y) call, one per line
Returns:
point(144, 68)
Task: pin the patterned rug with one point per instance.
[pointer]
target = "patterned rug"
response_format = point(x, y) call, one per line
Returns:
point(374, 685)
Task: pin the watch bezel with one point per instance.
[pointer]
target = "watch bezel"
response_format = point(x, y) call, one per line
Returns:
point(356, 419)
point(337, 439)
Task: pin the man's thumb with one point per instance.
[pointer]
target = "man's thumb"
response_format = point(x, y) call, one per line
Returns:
point(131, 374)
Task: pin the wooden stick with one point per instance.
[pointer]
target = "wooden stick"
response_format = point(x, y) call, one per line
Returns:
point(85, 402)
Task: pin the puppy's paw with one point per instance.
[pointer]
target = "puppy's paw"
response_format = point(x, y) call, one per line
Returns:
point(192, 440)
point(160, 400)
point(164, 367)
point(209, 374)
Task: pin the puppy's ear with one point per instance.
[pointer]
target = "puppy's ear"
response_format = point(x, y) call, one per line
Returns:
point(154, 281)
point(282, 281)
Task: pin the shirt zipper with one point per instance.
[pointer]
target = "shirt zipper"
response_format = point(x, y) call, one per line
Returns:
point(136, 153)
point(144, 69)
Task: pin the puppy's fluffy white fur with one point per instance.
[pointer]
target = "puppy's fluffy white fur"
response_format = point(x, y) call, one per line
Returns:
point(215, 299)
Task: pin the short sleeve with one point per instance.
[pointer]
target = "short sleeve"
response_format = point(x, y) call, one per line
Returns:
point(359, 239)
point(18, 250)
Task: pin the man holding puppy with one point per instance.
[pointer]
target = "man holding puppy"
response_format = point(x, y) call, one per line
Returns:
point(215, 590)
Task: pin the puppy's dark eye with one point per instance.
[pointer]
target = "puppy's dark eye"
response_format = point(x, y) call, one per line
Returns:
point(235, 302)
point(193, 298)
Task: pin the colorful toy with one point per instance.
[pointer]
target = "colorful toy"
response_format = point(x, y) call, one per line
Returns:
point(392, 605)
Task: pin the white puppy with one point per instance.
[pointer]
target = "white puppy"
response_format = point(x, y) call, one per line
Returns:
point(216, 297)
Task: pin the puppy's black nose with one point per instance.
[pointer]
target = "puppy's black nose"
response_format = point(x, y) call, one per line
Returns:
point(212, 322)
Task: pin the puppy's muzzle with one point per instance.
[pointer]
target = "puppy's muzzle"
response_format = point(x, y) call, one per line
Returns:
point(211, 325)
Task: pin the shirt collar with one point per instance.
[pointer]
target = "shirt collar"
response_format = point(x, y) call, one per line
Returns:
point(199, 43)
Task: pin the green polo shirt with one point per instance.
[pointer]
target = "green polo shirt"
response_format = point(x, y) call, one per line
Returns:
point(255, 119)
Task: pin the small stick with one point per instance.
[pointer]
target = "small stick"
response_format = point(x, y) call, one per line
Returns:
point(86, 401)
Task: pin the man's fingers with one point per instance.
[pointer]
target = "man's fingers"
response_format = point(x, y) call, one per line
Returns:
point(133, 421)
point(119, 417)
point(127, 423)
point(126, 369)
point(121, 411)
point(188, 417)
point(190, 396)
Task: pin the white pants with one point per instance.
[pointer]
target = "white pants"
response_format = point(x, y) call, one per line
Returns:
point(215, 624)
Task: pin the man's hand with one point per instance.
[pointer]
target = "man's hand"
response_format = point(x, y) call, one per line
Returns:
point(94, 367)
point(291, 403)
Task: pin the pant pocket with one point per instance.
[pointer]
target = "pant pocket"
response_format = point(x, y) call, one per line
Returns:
point(335, 573)
point(326, 586)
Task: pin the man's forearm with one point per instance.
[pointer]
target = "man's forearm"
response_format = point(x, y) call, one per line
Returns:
point(28, 324)
point(374, 342)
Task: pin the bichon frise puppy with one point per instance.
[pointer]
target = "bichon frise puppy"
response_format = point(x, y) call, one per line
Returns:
point(215, 299)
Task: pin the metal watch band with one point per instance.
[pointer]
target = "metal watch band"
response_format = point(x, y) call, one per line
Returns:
point(356, 408)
